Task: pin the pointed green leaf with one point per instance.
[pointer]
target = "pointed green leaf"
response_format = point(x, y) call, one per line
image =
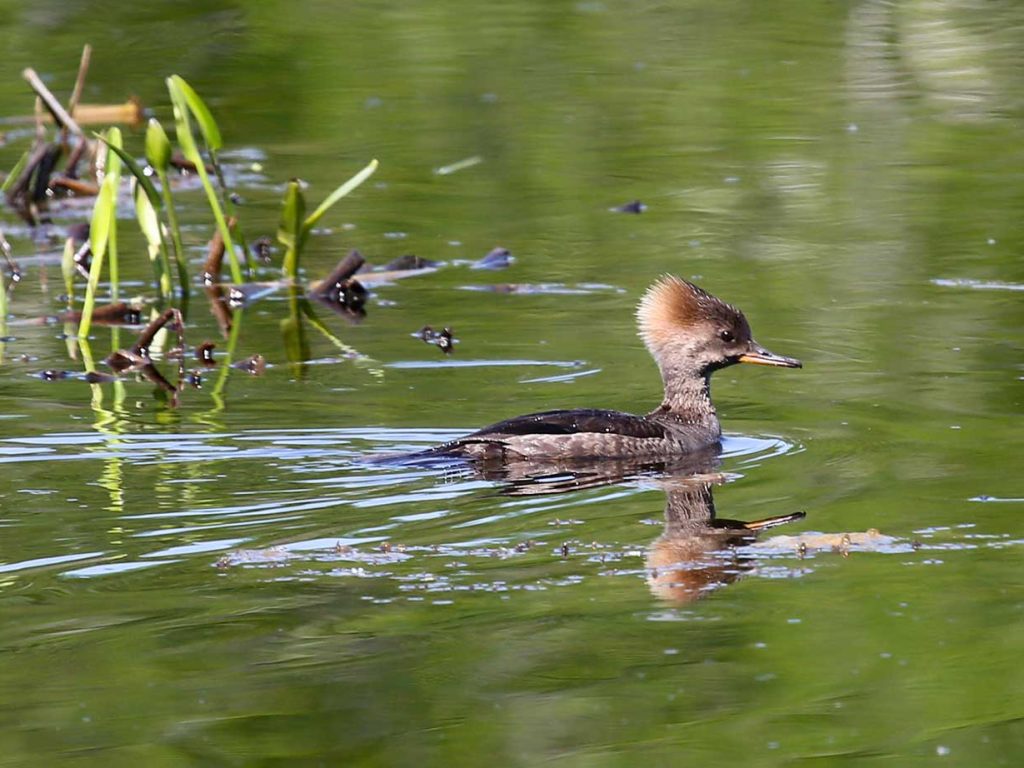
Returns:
point(339, 193)
point(187, 142)
point(204, 118)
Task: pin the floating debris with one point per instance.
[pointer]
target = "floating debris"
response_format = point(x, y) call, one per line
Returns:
point(410, 261)
point(458, 165)
point(498, 258)
point(137, 358)
point(53, 375)
point(204, 353)
point(119, 313)
point(268, 556)
point(254, 365)
point(262, 248)
point(339, 290)
point(442, 339)
point(634, 207)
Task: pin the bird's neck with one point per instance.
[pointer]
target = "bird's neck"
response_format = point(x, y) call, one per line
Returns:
point(687, 401)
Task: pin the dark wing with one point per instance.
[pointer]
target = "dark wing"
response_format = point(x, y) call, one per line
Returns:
point(574, 422)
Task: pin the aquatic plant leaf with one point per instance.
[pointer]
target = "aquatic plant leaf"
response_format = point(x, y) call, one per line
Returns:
point(114, 163)
point(102, 216)
point(339, 193)
point(135, 170)
point(67, 267)
point(15, 172)
point(102, 232)
point(187, 142)
point(158, 146)
point(99, 235)
point(149, 222)
point(204, 118)
point(291, 230)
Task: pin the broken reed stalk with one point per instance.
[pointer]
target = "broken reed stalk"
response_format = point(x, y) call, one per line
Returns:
point(51, 103)
point(215, 256)
point(145, 340)
point(347, 267)
point(76, 93)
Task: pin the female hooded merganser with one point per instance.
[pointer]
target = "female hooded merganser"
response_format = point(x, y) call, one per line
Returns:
point(691, 334)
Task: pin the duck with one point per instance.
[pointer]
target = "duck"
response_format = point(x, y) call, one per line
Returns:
point(690, 334)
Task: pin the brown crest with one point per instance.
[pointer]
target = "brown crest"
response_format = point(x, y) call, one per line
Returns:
point(673, 304)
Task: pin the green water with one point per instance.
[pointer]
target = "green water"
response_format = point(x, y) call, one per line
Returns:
point(228, 583)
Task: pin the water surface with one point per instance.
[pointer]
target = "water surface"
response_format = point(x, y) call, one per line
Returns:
point(230, 582)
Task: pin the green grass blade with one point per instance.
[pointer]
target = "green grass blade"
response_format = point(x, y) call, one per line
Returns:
point(187, 142)
point(204, 118)
point(113, 180)
point(103, 233)
point(339, 193)
point(290, 231)
point(172, 221)
point(15, 172)
point(149, 223)
point(99, 233)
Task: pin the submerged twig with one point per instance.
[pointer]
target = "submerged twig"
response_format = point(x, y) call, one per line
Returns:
point(118, 313)
point(215, 256)
point(137, 358)
point(340, 290)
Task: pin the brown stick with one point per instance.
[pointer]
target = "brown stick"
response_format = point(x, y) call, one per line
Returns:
point(76, 93)
point(83, 69)
point(127, 113)
point(347, 267)
point(215, 256)
point(50, 101)
point(82, 188)
point(142, 344)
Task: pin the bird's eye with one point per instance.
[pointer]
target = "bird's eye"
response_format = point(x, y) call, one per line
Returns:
point(726, 336)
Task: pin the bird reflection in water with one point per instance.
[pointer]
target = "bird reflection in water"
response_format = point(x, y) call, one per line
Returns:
point(697, 551)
